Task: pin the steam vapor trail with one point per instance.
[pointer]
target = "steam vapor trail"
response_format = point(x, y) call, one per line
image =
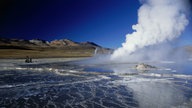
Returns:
point(158, 21)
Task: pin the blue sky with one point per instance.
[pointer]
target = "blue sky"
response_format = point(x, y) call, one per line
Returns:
point(105, 22)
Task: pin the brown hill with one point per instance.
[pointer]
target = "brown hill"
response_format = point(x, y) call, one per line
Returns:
point(63, 43)
point(90, 44)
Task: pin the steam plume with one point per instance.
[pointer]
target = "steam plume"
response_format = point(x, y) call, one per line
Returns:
point(158, 21)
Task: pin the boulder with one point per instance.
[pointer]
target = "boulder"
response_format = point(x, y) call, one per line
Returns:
point(143, 66)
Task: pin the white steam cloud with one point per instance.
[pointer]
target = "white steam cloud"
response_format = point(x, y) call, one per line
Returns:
point(158, 21)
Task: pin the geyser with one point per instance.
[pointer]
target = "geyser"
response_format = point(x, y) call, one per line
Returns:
point(158, 21)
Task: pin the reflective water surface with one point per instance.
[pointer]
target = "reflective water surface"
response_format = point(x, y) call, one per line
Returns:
point(74, 85)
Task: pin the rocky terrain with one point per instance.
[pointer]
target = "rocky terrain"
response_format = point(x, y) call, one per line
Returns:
point(36, 48)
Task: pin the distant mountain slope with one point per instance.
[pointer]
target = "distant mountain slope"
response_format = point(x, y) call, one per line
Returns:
point(39, 42)
point(43, 43)
point(188, 48)
point(90, 44)
point(63, 43)
point(19, 48)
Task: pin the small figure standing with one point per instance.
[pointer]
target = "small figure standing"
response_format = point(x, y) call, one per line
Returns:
point(28, 59)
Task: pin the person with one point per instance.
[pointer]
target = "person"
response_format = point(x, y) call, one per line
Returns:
point(28, 59)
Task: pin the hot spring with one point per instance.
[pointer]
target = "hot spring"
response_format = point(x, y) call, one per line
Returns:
point(84, 84)
point(146, 72)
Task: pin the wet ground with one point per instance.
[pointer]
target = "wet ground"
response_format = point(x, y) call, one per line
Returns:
point(77, 85)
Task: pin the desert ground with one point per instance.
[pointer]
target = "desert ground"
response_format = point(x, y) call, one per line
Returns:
point(46, 53)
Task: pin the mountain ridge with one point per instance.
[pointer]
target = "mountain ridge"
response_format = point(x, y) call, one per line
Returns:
point(44, 43)
point(37, 48)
